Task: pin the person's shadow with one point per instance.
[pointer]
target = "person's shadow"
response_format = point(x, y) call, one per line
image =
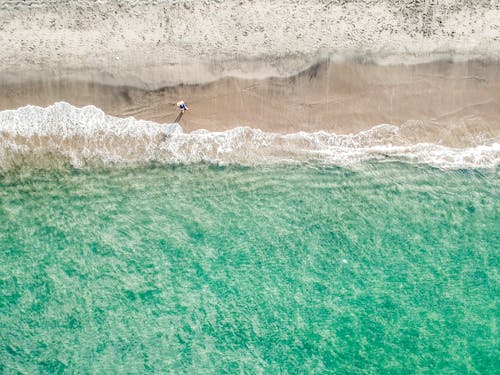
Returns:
point(179, 116)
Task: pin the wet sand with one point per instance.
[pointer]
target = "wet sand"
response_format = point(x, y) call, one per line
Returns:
point(450, 103)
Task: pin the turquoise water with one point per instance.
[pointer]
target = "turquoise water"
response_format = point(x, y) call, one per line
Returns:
point(382, 268)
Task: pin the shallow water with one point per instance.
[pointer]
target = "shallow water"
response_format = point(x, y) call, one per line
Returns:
point(381, 267)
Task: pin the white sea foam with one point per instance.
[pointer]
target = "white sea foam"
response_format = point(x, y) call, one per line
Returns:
point(64, 134)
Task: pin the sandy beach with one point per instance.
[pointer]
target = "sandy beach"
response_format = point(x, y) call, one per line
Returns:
point(432, 69)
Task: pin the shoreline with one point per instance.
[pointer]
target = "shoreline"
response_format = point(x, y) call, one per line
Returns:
point(62, 135)
point(430, 68)
point(442, 102)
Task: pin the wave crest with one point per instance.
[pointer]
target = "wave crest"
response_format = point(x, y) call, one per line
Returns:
point(62, 134)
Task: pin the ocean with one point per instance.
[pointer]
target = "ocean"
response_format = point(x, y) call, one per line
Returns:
point(242, 251)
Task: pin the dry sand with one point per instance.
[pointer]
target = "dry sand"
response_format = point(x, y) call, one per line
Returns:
point(156, 43)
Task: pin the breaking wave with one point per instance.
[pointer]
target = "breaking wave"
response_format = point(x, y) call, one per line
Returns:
point(62, 135)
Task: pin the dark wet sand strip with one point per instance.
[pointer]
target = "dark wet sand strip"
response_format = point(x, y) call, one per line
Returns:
point(456, 104)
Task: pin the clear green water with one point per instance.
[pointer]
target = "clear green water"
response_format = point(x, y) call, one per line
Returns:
point(387, 268)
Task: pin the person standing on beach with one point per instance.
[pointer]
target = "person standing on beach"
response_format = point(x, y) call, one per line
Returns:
point(183, 107)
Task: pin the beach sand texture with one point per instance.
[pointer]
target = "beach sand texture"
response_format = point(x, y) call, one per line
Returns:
point(431, 67)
